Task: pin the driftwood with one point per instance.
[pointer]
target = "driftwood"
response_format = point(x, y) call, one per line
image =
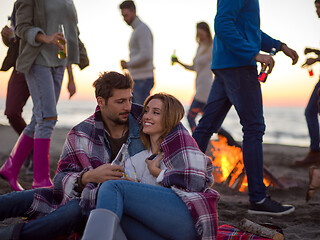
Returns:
point(251, 227)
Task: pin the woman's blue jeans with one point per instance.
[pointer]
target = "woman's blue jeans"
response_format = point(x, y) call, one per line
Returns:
point(44, 84)
point(311, 114)
point(60, 222)
point(238, 87)
point(147, 211)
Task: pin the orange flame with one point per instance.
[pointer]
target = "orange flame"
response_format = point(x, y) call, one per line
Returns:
point(228, 165)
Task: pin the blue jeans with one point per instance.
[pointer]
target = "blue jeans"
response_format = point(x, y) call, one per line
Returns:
point(311, 114)
point(141, 89)
point(44, 85)
point(146, 211)
point(238, 87)
point(60, 222)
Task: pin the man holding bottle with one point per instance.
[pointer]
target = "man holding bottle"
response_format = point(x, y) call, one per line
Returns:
point(236, 50)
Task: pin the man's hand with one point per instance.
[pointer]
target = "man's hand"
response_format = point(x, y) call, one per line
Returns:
point(103, 173)
point(123, 64)
point(310, 61)
point(265, 59)
point(6, 32)
point(290, 53)
point(311, 50)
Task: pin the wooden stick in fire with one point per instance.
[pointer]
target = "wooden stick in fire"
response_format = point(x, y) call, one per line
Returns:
point(251, 227)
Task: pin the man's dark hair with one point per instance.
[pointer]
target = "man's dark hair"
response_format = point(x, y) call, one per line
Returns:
point(128, 5)
point(108, 81)
point(317, 1)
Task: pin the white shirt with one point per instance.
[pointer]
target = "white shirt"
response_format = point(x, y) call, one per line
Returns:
point(136, 164)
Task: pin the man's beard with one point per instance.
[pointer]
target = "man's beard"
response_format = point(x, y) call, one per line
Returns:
point(119, 121)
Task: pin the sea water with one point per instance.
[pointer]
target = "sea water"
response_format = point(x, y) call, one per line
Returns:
point(284, 125)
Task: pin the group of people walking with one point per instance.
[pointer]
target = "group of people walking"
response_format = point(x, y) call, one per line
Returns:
point(127, 168)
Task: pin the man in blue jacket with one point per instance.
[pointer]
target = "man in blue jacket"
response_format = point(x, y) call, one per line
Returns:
point(236, 50)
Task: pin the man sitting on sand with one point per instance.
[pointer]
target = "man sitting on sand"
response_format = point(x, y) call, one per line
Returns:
point(84, 164)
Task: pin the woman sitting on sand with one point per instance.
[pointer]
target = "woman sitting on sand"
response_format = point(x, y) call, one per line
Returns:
point(167, 197)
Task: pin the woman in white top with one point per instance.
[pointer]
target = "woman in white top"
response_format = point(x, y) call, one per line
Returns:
point(204, 76)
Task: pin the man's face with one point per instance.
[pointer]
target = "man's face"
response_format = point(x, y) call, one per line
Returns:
point(318, 9)
point(128, 15)
point(118, 107)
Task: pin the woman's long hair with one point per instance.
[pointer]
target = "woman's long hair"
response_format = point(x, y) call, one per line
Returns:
point(171, 114)
point(205, 27)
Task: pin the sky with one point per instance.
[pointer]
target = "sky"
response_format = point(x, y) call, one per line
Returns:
point(173, 24)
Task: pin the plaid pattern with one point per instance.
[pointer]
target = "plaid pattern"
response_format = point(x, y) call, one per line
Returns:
point(191, 179)
point(227, 232)
point(83, 150)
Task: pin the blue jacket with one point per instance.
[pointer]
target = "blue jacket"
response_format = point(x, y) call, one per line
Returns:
point(238, 38)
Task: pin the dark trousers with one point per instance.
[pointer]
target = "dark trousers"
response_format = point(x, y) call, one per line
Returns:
point(17, 96)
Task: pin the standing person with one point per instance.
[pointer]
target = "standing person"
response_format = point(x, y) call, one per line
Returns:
point(17, 91)
point(311, 112)
point(84, 164)
point(176, 181)
point(204, 78)
point(236, 50)
point(37, 24)
point(140, 64)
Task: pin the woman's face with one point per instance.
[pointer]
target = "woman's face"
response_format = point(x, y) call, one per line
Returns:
point(202, 35)
point(152, 117)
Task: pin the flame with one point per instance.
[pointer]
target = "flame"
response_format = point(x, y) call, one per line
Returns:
point(228, 165)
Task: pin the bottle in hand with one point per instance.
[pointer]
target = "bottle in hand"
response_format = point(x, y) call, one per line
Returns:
point(264, 70)
point(62, 53)
point(173, 57)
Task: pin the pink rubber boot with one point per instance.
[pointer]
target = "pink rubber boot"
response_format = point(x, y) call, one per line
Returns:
point(41, 175)
point(11, 168)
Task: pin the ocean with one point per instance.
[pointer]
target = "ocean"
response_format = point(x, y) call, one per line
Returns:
point(284, 125)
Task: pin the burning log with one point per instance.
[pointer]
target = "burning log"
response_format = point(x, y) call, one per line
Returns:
point(251, 227)
point(229, 167)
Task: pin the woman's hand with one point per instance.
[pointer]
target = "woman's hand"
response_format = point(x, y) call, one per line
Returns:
point(53, 39)
point(71, 84)
point(154, 165)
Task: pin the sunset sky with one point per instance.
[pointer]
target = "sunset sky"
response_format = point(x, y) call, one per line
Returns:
point(173, 24)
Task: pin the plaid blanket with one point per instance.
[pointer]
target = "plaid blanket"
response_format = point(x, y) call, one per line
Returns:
point(189, 174)
point(227, 232)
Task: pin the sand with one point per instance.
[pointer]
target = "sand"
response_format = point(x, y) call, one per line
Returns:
point(304, 223)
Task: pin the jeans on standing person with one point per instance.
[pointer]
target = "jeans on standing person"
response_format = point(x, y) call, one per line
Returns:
point(147, 211)
point(17, 96)
point(141, 89)
point(311, 114)
point(238, 87)
point(44, 84)
point(195, 108)
point(60, 222)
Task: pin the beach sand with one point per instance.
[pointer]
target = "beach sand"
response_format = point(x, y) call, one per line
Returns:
point(304, 223)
